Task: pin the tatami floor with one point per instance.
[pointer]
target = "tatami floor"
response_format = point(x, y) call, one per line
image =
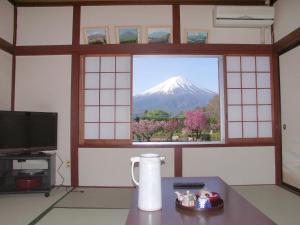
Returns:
point(110, 206)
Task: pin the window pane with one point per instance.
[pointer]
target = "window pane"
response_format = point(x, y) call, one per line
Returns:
point(107, 80)
point(248, 63)
point(123, 97)
point(107, 64)
point(264, 96)
point(91, 114)
point(265, 129)
point(123, 64)
point(234, 113)
point(235, 130)
point(92, 64)
point(122, 131)
point(107, 131)
point(249, 113)
point(264, 112)
point(249, 96)
point(107, 113)
point(233, 80)
point(249, 129)
point(263, 80)
point(263, 63)
point(91, 81)
point(91, 130)
point(234, 96)
point(248, 80)
point(122, 113)
point(107, 97)
point(233, 63)
point(176, 99)
point(123, 80)
point(91, 97)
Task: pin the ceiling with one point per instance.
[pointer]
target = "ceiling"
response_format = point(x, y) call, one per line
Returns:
point(204, 2)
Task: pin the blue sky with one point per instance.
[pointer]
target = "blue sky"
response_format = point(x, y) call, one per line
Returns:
point(149, 71)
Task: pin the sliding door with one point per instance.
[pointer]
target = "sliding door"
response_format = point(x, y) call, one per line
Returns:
point(290, 111)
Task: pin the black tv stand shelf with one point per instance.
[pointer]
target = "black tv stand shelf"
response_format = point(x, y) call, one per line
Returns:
point(17, 178)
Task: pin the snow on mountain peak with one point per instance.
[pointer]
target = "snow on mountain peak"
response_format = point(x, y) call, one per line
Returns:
point(172, 85)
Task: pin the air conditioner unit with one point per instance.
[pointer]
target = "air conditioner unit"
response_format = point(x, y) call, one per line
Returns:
point(243, 16)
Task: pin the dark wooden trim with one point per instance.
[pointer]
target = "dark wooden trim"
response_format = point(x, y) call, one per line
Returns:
point(178, 161)
point(288, 42)
point(13, 75)
point(12, 2)
point(6, 46)
point(76, 26)
point(277, 120)
point(139, 2)
point(15, 25)
point(13, 83)
point(44, 50)
point(273, 2)
point(75, 118)
point(176, 23)
point(75, 97)
point(207, 49)
point(161, 145)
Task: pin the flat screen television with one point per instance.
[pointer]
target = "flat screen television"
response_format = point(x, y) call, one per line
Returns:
point(22, 132)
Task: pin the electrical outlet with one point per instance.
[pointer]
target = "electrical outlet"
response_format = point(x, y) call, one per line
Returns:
point(68, 163)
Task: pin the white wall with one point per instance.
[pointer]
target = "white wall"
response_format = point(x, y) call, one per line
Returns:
point(287, 17)
point(44, 25)
point(112, 16)
point(43, 83)
point(201, 17)
point(5, 80)
point(235, 165)
point(112, 167)
point(6, 20)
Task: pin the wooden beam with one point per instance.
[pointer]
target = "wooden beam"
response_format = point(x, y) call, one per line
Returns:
point(178, 161)
point(289, 42)
point(176, 23)
point(13, 2)
point(74, 138)
point(6, 46)
point(30, 3)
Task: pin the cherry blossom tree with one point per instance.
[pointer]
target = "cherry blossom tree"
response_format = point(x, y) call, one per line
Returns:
point(170, 126)
point(195, 122)
point(146, 128)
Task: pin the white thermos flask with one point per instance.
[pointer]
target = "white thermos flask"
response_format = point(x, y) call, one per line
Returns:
point(149, 185)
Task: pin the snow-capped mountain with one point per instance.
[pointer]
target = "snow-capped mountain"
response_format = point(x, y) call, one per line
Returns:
point(174, 96)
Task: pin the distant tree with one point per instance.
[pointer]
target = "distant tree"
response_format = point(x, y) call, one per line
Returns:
point(170, 127)
point(155, 115)
point(145, 129)
point(213, 107)
point(195, 122)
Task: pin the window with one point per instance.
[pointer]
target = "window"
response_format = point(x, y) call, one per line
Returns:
point(249, 97)
point(106, 99)
point(179, 99)
point(176, 99)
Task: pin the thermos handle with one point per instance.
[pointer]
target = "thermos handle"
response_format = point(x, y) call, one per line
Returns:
point(133, 161)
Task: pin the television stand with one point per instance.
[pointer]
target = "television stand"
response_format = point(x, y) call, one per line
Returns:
point(27, 173)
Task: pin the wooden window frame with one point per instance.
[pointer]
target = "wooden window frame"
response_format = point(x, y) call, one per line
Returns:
point(95, 143)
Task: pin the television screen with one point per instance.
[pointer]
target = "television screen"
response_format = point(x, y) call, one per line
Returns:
point(27, 131)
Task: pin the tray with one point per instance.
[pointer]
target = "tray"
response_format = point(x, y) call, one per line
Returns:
point(217, 207)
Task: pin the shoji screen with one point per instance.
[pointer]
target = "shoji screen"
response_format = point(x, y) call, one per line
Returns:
point(249, 97)
point(105, 98)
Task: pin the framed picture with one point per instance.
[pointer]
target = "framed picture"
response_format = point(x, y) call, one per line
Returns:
point(128, 35)
point(96, 35)
point(196, 36)
point(159, 35)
